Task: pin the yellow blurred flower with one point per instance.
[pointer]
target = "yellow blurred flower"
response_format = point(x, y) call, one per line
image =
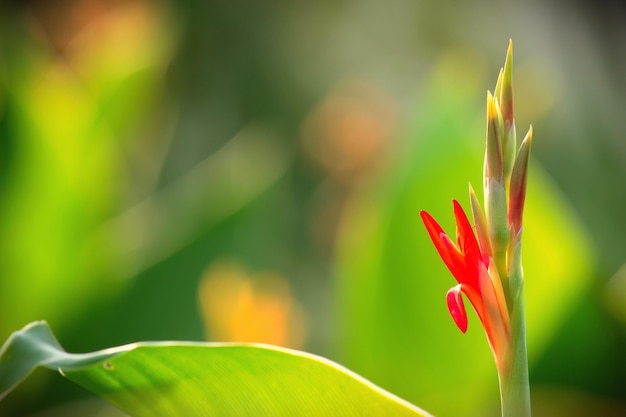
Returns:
point(241, 307)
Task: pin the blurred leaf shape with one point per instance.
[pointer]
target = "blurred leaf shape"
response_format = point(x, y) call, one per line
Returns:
point(90, 406)
point(66, 118)
point(198, 379)
point(209, 192)
point(615, 294)
point(559, 402)
point(241, 307)
point(396, 330)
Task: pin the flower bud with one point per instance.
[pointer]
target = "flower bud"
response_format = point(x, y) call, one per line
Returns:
point(505, 102)
point(517, 188)
point(482, 230)
point(493, 153)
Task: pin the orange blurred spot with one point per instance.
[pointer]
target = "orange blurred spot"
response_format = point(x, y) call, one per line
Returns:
point(347, 132)
point(240, 307)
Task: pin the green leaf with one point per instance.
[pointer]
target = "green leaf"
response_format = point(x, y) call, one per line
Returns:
point(203, 379)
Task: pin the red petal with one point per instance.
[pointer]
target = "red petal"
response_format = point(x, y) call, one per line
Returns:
point(467, 241)
point(434, 230)
point(456, 307)
point(446, 248)
point(496, 316)
point(456, 262)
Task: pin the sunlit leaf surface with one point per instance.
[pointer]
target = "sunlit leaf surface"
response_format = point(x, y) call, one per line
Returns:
point(203, 379)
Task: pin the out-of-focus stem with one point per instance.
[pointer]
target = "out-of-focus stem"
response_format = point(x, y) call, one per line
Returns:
point(513, 378)
point(513, 372)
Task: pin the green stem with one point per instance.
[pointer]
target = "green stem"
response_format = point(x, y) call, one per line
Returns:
point(513, 378)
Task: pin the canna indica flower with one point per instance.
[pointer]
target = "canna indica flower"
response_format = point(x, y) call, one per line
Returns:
point(486, 262)
point(474, 269)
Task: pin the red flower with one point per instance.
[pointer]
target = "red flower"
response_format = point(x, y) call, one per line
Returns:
point(475, 271)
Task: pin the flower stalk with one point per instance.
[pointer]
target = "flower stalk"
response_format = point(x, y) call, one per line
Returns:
point(487, 262)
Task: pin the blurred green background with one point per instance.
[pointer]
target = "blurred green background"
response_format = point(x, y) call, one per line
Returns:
point(241, 171)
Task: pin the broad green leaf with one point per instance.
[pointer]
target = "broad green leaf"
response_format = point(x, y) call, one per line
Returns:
point(203, 379)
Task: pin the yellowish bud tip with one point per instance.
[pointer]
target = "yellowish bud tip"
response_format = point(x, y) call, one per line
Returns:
point(529, 135)
point(498, 91)
point(506, 92)
point(492, 111)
